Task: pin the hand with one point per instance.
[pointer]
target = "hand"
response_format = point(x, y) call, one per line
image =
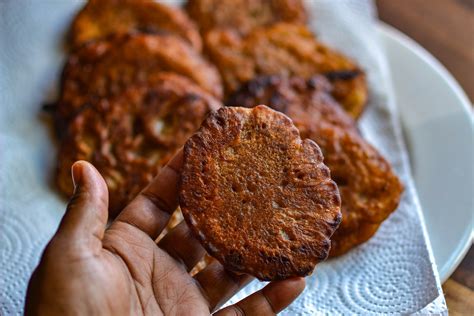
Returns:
point(88, 269)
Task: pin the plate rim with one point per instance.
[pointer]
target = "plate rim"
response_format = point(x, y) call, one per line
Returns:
point(390, 32)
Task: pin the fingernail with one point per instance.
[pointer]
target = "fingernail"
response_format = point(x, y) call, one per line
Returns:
point(76, 173)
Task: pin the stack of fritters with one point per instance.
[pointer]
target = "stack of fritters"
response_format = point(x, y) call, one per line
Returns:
point(136, 87)
point(105, 68)
point(248, 38)
point(130, 100)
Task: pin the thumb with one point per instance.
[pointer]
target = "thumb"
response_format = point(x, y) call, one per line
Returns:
point(86, 215)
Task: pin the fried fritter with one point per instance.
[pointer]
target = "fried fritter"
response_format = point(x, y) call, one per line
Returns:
point(129, 137)
point(104, 69)
point(256, 195)
point(370, 190)
point(296, 97)
point(244, 15)
point(289, 50)
point(101, 18)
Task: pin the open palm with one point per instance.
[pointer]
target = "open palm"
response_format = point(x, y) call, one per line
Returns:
point(93, 270)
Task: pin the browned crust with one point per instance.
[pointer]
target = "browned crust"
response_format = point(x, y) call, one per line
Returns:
point(101, 18)
point(286, 49)
point(301, 99)
point(244, 15)
point(369, 188)
point(350, 235)
point(129, 137)
point(259, 199)
point(105, 69)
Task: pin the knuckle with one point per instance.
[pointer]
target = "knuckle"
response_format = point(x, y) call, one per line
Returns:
point(238, 311)
point(233, 310)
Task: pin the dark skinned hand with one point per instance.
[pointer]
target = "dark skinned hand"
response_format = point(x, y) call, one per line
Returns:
point(88, 269)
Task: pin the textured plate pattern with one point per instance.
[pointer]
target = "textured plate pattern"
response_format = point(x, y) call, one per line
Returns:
point(392, 273)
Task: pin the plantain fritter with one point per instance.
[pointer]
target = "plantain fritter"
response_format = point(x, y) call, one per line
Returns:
point(104, 69)
point(287, 50)
point(256, 195)
point(296, 97)
point(127, 138)
point(244, 15)
point(101, 18)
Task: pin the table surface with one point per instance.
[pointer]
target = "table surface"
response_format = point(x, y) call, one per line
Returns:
point(445, 28)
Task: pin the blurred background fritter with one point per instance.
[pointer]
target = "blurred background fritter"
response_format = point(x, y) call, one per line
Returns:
point(244, 15)
point(128, 137)
point(290, 50)
point(105, 68)
point(101, 18)
point(296, 97)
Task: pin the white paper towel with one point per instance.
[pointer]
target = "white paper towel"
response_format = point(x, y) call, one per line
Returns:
point(392, 273)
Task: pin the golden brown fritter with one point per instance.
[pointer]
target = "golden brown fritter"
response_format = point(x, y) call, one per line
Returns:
point(129, 137)
point(101, 18)
point(296, 97)
point(244, 15)
point(370, 190)
point(288, 50)
point(104, 69)
point(256, 195)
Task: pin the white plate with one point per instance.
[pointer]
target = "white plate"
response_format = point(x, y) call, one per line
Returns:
point(438, 127)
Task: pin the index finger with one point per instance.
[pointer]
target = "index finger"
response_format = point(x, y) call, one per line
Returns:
point(151, 209)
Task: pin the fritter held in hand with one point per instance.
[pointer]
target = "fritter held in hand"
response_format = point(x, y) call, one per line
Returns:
point(106, 68)
point(289, 50)
point(129, 137)
point(370, 190)
point(101, 18)
point(244, 15)
point(256, 195)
